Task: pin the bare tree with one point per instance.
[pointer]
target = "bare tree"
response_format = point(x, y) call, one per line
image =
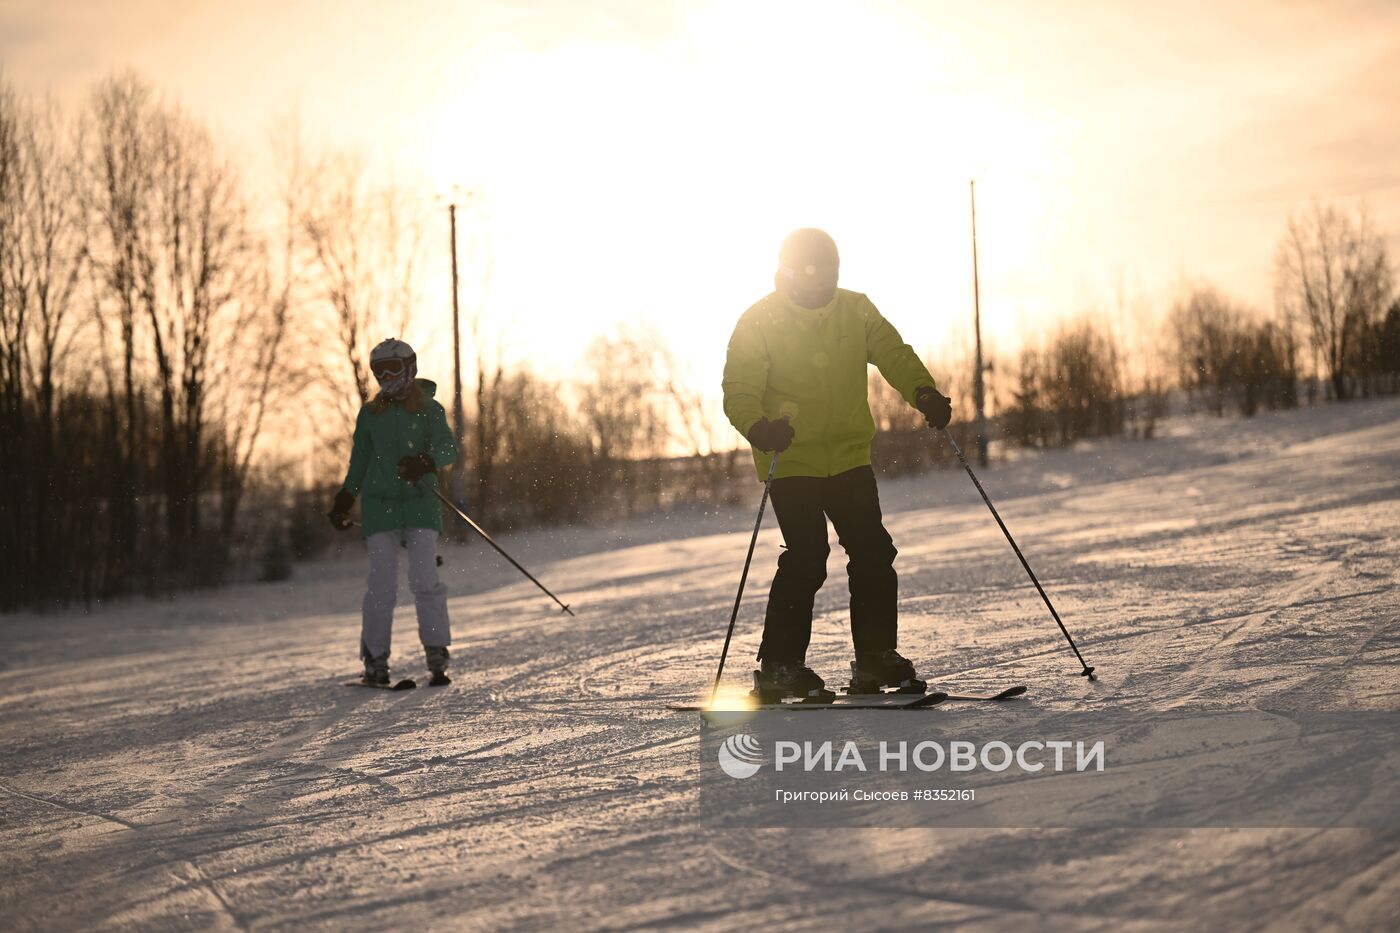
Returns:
point(544, 454)
point(176, 268)
point(254, 371)
point(193, 280)
point(1227, 353)
point(13, 288)
point(623, 401)
point(14, 520)
point(1071, 388)
point(1205, 329)
point(52, 248)
point(40, 263)
point(116, 193)
point(691, 419)
point(1388, 347)
point(1332, 272)
point(363, 246)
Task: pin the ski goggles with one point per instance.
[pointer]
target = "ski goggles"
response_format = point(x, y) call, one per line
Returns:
point(809, 271)
point(388, 369)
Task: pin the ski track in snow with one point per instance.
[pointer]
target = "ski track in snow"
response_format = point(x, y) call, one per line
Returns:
point(195, 764)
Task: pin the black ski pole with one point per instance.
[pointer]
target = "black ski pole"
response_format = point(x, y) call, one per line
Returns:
point(500, 550)
point(743, 577)
point(1088, 671)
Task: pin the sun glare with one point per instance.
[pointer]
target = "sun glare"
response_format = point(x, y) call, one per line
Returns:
point(731, 699)
point(655, 181)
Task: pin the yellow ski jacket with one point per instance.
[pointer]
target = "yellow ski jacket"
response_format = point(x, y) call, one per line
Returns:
point(811, 364)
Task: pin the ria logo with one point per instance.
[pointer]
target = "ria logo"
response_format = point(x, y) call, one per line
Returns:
point(740, 756)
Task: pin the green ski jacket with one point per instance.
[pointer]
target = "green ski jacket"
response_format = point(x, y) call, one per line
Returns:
point(383, 439)
point(811, 364)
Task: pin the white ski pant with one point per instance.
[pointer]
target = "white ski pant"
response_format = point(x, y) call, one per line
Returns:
point(429, 593)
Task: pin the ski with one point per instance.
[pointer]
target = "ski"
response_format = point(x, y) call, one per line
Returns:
point(408, 683)
point(920, 702)
point(930, 699)
point(1006, 694)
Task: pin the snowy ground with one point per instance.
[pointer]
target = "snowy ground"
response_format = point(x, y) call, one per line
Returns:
point(195, 763)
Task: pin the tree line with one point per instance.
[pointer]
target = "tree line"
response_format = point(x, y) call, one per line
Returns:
point(129, 284)
point(1332, 335)
point(183, 352)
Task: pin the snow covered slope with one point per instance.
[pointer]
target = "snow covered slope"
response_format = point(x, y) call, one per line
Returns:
point(196, 764)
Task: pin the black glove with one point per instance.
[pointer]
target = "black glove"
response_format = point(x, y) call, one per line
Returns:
point(770, 436)
point(416, 466)
point(936, 407)
point(340, 511)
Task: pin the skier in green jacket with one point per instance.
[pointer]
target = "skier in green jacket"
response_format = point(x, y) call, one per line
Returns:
point(795, 384)
point(401, 440)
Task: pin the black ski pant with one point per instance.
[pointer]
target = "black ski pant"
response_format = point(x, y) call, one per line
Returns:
point(802, 505)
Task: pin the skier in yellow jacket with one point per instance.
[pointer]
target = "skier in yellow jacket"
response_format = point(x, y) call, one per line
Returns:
point(795, 384)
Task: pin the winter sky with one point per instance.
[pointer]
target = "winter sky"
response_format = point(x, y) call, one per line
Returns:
point(641, 159)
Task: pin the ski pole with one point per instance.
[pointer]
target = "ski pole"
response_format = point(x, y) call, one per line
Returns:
point(500, 550)
point(743, 577)
point(1088, 671)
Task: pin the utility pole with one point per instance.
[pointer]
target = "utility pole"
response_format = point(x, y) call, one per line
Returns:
point(459, 472)
point(978, 396)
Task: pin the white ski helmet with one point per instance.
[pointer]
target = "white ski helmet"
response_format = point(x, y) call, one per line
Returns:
point(392, 349)
point(395, 366)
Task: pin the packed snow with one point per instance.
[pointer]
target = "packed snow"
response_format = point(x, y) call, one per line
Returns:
point(196, 763)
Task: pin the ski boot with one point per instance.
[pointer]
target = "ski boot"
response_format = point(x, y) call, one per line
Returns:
point(377, 671)
point(873, 673)
point(773, 683)
point(437, 656)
